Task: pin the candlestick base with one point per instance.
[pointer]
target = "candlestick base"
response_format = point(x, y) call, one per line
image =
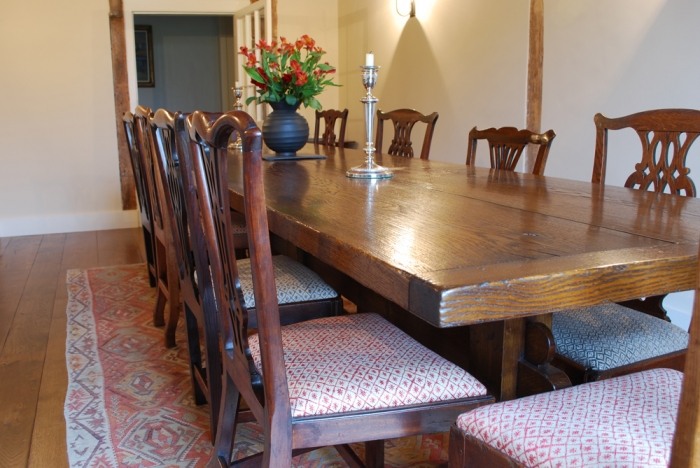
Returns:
point(369, 170)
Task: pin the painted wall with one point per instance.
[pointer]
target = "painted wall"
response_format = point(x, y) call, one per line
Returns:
point(60, 169)
point(467, 60)
point(186, 63)
point(318, 19)
point(617, 58)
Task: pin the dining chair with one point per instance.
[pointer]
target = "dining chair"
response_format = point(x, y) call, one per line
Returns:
point(166, 266)
point(330, 117)
point(506, 145)
point(198, 302)
point(628, 420)
point(329, 381)
point(141, 193)
point(403, 121)
point(615, 339)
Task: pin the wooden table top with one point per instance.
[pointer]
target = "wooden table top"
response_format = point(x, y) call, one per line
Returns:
point(457, 245)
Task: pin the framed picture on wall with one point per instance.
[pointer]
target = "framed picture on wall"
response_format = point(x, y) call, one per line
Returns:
point(144, 56)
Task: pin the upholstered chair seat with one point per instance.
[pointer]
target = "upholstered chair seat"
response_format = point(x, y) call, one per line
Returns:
point(362, 362)
point(624, 421)
point(609, 336)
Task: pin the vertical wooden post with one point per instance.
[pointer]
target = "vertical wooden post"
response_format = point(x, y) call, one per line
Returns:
point(121, 100)
point(534, 77)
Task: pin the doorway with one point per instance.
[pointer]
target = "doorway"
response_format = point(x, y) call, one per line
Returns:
point(193, 61)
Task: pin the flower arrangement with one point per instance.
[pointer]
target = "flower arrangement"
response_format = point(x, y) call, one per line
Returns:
point(282, 75)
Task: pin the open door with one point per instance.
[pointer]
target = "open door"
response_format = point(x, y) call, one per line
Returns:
point(250, 24)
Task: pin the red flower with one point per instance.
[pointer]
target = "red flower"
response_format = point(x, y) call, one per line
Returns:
point(302, 79)
point(296, 68)
point(287, 78)
point(307, 42)
point(263, 74)
point(262, 86)
point(318, 49)
point(252, 60)
point(299, 44)
point(244, 51)
point(263, 45)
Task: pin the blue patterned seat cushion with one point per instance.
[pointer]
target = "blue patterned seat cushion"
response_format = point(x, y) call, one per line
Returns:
point(608, 336)
point(295, 282)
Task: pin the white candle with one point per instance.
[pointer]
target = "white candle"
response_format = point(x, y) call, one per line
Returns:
point(238, 84)
point(369, 60)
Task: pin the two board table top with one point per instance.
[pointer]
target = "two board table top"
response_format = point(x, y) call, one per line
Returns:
point(458, 245)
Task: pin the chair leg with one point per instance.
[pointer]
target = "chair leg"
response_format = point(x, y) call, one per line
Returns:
point(174, 302)
point(195, 355)
point(374, 453)
point(159, 310)
point(226, 430)
point(214, 375)
point(150, 260)
point(279, 438)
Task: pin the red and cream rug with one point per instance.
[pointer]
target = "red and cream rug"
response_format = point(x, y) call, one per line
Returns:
point(129, 400)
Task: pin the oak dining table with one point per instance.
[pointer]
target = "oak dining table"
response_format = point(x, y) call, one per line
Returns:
point(463, 257)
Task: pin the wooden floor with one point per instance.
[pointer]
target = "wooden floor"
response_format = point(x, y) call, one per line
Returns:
point(33, 298)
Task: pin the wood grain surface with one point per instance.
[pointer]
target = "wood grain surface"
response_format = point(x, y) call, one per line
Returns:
point(460, 245)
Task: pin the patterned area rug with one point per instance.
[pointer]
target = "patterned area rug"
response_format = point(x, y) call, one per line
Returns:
point(129, 401)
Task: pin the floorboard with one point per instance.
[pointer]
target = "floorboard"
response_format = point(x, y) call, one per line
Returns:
point(48, 446)
point(15, 265)
point(22, 356)
point(33, 298)
point(3, 243)
point(118, 247)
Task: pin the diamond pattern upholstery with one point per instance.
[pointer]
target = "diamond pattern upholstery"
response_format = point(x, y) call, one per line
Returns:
point(295, 282)
point(238, 223)
point(624, 421)
point(360, 362)
point(610, 335)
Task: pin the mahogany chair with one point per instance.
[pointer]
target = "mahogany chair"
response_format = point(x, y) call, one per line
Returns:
point(624, 421)
point(175, 175)
point(403, 121)
point(166, 265)
point(141, 193)
point(324, 382)
point(615, 339)
point(330, 117)
point(506, 145)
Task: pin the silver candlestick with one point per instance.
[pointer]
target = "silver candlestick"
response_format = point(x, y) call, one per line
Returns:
point(238, 105)
point(369, 170)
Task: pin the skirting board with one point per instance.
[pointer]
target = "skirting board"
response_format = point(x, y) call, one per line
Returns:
point(69, 223)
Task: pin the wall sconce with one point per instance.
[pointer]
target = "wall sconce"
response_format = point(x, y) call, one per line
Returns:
point(412, 11)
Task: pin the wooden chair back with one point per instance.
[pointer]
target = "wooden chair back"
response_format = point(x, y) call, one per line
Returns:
point(686, 441)
point(330, 117)
point(144, 140)
point(403, 121)
point(666, 136)
point(145, 209)
point(272, 408)
point(167, 159)
point(506, 145)
point(141, 193)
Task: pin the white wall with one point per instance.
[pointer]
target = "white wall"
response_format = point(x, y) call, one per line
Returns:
point(466, 59)
point(60, 169)
point(617, 58)
point(186, 63)
point(318, 19)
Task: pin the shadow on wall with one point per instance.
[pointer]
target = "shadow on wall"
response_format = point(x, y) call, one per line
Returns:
point(414, 81)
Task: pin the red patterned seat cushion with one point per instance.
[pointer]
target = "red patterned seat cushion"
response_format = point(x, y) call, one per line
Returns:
point(625, 421)
point(360, 362)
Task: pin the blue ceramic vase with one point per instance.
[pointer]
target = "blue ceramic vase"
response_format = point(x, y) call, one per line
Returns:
point(285, 131)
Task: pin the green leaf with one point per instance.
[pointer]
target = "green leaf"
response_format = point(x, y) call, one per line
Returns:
point(255, 75)
point(325, 67)
point(291, 100)
point(250, 99)
point(313, 102)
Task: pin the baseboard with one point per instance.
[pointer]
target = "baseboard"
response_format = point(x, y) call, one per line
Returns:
point(36, 225)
